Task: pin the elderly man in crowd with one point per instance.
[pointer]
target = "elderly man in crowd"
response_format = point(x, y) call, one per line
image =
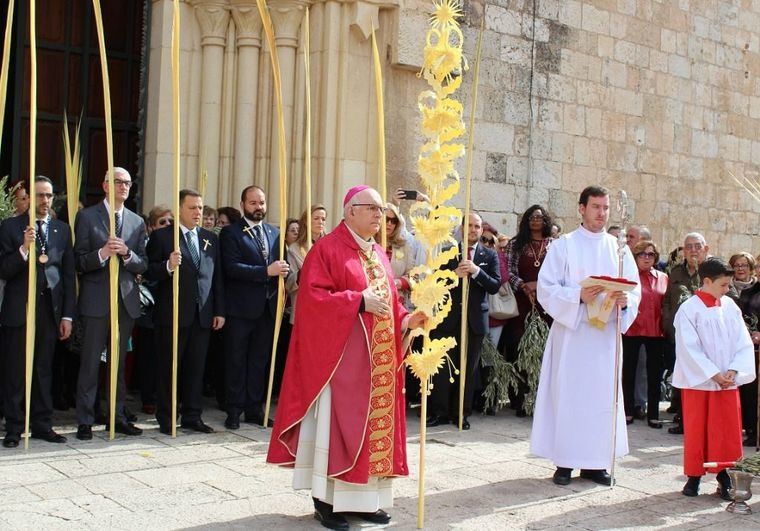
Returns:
point(684, 281)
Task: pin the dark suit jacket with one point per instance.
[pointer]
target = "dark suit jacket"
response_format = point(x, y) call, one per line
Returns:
point(58, 271)
point(487, 282)
point(248, 289)
point(91, 231)
point(198, 289)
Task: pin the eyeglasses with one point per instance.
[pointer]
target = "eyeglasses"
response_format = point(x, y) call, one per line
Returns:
point(120, 182)
point(741, 266)
point(371, 206)
point(647, 254)
point(487, 241)
point(536, 217)
point(393, 221)
point(164, 221)
point(693, 246)
point(43, 195)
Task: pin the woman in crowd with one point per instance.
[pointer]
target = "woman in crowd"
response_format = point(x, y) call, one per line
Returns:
point(745, 281)
point(646, 331)
point(298, 241)
point(226, 216)
point(490, 239)
point(160, 216)
point(525, 254)
point(299, 247)
point(403, 250)
point(291, 231)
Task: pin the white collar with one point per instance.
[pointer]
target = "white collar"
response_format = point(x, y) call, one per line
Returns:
point(108, 207)
point(365, 245)
point(185, 230)
point(253, 223)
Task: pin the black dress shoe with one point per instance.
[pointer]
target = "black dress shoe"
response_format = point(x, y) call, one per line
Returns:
point(197, 425)
point(378, 517)
point(49, 436)
point(126, 428)
point(465, 424)
point(655, 424)
point(691, 488)
point(562, 476)
point(676, 430)
point(258, 419)
point(84, 432)
point(597, 476)
point(232, 422)
point(131, 417)
point(436, 420)
point(329, 519)
point(724, 485)
point(11, 440)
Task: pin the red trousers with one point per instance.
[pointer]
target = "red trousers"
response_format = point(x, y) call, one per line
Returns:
point(712, 429)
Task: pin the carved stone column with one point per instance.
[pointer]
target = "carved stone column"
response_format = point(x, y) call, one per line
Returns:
point(286, 18)
point(248, 26)
point(213, 18)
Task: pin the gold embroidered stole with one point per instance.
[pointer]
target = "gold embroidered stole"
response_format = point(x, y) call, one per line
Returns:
point(383, 382)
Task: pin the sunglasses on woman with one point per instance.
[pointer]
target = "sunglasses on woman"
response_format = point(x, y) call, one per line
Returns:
point(646, 255)
point(487, 241)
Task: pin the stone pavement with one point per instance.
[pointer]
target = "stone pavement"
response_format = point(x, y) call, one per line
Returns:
point(481, 479)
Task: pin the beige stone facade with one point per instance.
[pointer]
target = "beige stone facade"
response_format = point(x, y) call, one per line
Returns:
point(660, 97)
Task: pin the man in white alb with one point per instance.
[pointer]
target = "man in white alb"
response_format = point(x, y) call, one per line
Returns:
point(572, 422)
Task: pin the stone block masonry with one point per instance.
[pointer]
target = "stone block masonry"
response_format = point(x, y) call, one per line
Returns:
point(659, 97)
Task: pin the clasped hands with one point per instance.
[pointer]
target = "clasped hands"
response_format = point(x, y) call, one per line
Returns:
point(590, 293)
point(377, 305)
point(725, 380)
point(114, 246)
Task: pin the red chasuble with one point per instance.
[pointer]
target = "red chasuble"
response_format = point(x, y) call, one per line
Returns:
point(359, 355)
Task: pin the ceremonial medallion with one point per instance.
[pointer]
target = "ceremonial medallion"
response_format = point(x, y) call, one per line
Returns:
point(43, 258)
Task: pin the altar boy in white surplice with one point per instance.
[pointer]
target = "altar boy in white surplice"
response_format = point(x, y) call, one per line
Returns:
point(572, 422)
point(714, 355)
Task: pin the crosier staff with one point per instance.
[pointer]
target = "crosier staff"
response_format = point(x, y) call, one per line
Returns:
point(622, 207)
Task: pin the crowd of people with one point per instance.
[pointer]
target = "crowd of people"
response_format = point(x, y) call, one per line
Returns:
point(227, 339)
point(229, 264)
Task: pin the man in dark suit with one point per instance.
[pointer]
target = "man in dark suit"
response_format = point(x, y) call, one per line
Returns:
point(251, 268)
point(481, 265)
point(56, 301)
point(201, 308)
point(93, 249)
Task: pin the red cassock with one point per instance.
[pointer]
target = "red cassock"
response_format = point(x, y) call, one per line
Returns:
point(359, 355)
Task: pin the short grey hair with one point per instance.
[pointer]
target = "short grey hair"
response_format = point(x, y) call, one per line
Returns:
point(645, 233)
point(695, 236)
point(116, 171)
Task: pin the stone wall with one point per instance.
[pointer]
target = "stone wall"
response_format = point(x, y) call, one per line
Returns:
point(661, 98)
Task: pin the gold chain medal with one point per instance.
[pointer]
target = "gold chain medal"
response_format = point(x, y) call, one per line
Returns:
point(43, 257)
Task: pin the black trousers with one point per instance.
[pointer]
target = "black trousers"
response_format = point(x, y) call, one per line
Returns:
point(444, 398)
point(14, 339)
point(248, 349)
point(95, 339)
point(655, 349)
point(670, 363)
point(748, 397)
point(147, 364)
point(192, 345)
